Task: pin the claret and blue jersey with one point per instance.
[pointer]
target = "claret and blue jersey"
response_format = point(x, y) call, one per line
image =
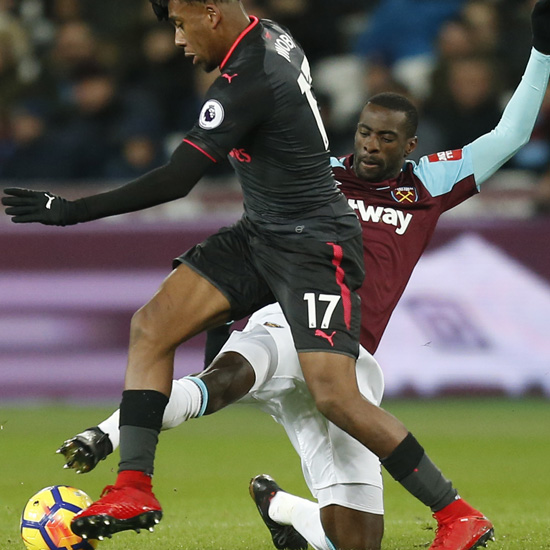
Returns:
point(398, 217)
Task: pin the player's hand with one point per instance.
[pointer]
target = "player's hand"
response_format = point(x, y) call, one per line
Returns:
point(540, 23)
point(27, 206)
point(83, 451)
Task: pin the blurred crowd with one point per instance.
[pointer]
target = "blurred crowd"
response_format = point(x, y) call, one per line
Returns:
point(94, 90)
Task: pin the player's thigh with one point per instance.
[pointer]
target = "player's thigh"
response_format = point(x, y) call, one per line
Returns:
point(184, 305)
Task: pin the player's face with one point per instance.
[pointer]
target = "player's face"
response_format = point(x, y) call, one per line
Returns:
point(195, 25)
point(381, 143)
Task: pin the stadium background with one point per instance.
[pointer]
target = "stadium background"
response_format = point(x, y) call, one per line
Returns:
point(92, 97)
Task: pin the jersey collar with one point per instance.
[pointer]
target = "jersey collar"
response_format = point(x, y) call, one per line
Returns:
point(253, 23)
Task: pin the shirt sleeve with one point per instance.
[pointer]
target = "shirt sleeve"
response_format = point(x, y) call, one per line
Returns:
point(448, 175)
point(235, 104)
point(172, 181)
point(490, 151)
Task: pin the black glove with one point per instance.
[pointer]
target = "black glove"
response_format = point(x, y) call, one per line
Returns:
point(27, 206)
point(161, 9)
point(540, 23)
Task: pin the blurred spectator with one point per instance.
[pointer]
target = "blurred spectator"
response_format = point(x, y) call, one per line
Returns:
point(75, 46)
point(98, 117)
point(11, 85)
point(64, 11)
point(313, 23)
point(34, 152)
point(17, 64)
point(162, 71)
point(401, 34)
point(139, 154)
point(15, 35)
point(466, 103)
point(514, 40)
point(455, 39)
point(482, 18)
point(115, 24)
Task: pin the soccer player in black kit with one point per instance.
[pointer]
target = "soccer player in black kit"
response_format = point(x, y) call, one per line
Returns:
point(297, 243)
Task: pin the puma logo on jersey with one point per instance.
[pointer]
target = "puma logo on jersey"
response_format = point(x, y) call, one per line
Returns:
point(50, 200)
point(324, 335)
point(377, 214)
point(229, 77)
point(283, 45)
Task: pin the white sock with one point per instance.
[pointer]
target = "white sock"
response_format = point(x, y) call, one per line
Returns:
point(188, 399)
point(302, 514)
point(110, 427)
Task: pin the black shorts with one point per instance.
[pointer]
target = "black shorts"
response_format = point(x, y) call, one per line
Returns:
point(313, 280)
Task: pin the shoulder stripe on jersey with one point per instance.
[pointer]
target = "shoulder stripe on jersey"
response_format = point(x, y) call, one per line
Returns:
point(441, 172)
point(200, 149)
point(255, 21)
point(336, 163)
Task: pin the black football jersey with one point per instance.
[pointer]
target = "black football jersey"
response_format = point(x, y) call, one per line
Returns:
point(261, 111)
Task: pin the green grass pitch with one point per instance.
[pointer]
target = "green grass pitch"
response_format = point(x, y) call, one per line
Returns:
point(496, 451)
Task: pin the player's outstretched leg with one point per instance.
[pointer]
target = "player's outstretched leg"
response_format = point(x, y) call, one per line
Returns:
point(129, 504)
point(461, 527)
point(262, 489)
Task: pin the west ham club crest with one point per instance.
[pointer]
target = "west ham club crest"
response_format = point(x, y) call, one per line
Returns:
point(405, 194)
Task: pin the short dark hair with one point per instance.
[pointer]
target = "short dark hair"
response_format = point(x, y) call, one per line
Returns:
point(398, 102)
point(160, 7)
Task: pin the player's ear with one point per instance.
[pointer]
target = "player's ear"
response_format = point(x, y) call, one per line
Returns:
point(213, 14)
point(411, 145)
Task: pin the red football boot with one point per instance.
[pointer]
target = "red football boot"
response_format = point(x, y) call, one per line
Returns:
point(461, 527)
point(129, 504)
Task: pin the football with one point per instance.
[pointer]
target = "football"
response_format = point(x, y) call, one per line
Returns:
point(46, 519)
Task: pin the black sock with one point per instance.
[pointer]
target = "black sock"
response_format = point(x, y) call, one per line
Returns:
point(141, 413)
point(409, 465)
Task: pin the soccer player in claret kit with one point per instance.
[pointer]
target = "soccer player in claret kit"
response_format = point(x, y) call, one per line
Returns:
point(289, 224)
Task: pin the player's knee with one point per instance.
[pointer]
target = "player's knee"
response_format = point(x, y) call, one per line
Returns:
point(329, 404)
point(331, 381)
point(145, 328)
